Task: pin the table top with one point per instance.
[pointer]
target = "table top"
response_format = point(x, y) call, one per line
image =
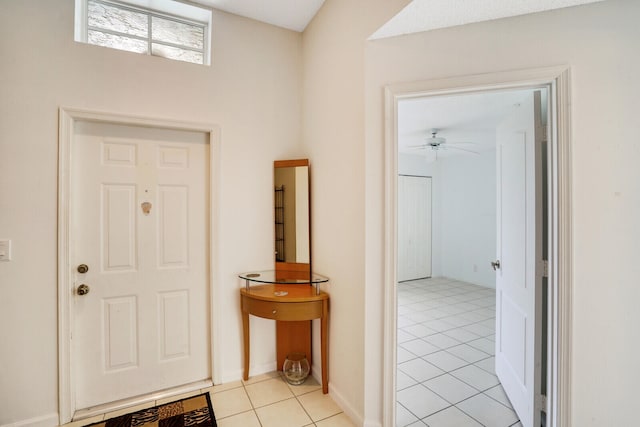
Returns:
point(284, 293)
point(270, 277)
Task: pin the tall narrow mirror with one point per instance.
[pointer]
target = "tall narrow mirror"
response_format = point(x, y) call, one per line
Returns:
point(291, 218)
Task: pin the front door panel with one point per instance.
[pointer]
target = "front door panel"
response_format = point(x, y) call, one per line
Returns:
point(139, 215)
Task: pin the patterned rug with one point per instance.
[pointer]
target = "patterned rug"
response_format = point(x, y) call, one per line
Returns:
point(194, 411)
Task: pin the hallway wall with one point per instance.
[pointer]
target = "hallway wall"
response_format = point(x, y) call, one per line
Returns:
point(599, 44)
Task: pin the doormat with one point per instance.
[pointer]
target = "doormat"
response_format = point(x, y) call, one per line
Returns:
point(193, 411)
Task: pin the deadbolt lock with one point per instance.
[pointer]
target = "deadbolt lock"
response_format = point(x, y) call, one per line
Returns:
point(83, 268)
point(83, 289)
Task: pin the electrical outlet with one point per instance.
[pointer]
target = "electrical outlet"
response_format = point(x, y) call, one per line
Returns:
point(5, 250)
point(475, 268)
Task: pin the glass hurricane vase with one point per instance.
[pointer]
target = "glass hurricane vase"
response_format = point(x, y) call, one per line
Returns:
point(296, 368)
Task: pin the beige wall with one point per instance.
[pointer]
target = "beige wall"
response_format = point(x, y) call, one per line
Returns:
point(259, 75)
point(252, 91)
point(599, 42)
point(333, 134)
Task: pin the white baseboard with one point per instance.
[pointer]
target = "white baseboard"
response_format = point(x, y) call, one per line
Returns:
point(230, 376)
point(349, 411)
point(265, 368)
point(316, 372)
point(236, 375)
point(50, 420)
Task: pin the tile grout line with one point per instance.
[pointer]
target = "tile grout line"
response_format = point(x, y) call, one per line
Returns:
point(293, 396)
point(253, 409)
point(418, 293)
point(303, 408)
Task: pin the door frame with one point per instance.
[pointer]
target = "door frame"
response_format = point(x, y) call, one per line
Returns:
point(560, 280)
point(67, 119)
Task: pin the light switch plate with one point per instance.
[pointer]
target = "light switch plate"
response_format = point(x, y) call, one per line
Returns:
point(5, 250)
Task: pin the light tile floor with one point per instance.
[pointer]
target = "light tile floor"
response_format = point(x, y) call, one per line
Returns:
point(263, 401)
point(446, 347)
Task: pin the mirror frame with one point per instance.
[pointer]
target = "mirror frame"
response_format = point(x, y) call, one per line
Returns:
point(294, 270)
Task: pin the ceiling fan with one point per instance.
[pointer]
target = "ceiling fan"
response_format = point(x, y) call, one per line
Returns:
point(437, 143)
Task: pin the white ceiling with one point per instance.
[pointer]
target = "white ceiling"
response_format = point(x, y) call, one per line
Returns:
point(290, 14)
point(417, 16)
point(466, 121)
point(425, 15)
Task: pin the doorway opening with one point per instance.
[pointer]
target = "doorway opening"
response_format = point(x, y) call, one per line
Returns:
point(447, 324)
point(433, 342)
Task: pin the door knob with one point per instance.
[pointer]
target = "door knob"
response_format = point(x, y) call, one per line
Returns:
point(83, 289)
point(83, 268)
point(495, 264)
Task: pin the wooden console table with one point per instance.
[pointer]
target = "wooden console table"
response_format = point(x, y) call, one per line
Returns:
point(285, 300)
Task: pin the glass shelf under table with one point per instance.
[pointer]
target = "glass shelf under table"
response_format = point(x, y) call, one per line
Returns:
point(270, 277)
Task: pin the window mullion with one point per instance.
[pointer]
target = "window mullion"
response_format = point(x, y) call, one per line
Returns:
point(115, 33)
point(181, 21)
point(177, 46)
point(149, 34)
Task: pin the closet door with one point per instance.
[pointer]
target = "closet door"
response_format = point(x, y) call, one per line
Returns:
point(414, 227)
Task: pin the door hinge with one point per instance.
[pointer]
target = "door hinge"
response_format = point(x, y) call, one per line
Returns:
point(545, 268)
point(541, 402)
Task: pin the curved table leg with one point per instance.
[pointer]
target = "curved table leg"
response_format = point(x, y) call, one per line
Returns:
point(323, 347)
point(245, 335)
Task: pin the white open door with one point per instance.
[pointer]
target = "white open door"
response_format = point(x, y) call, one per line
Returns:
point(414, 227)
point(519, 244)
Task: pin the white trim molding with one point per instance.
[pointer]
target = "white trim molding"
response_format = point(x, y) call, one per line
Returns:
point(557, 80)
point(562, 292)
point(346, 407)
point(49, 420)
point(67, 119)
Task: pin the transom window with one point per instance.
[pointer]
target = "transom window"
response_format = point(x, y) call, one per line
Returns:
point(133, 28)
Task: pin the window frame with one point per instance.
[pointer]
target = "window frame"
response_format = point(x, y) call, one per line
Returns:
point(174, 11)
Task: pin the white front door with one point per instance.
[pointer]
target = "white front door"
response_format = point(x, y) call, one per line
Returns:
point(518, 278)
point(414, 227)
point(140, 223)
